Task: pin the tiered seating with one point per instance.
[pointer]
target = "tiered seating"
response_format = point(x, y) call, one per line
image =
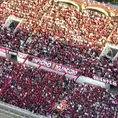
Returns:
point(5, 71)
point(64, 35)
point(29, 10)
point(90, 100)
point(72, 26)
point(96, 28)
point(10, 40)
point(85, 58)
point(39, 91)
point(61, 20)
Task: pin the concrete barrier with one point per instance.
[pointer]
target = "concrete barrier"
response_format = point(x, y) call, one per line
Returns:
point(19, 111)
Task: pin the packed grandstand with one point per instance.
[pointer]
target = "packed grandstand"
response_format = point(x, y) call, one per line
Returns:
point(55, 43)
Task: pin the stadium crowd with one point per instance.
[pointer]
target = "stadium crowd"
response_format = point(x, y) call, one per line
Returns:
point(38, 91)
point(64, 35)
point(58, 33)
point(83, 57)
point(62, 20)
point(90, 27)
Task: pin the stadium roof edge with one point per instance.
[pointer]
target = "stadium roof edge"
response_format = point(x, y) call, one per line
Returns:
point(82, 5)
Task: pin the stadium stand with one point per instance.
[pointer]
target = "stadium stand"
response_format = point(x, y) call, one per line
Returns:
point(84, 57)
point(37, 90)
point(63, 33)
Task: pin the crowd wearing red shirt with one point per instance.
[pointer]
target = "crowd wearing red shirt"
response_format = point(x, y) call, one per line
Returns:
point(83, 57)
point(58, 33)
point(38, 91)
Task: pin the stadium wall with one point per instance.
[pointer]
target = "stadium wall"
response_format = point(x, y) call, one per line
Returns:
point(18, 111)
point(82, 5)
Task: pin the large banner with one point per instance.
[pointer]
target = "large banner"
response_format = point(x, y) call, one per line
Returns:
point(55, 67)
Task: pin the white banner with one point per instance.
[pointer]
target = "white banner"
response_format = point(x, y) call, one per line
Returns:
point(4, 50)
point(22, 55)
point(105, 80)
point(55, 67)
